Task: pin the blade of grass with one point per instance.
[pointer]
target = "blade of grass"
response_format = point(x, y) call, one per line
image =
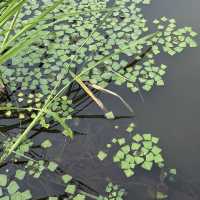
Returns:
point(18, 108)
point(31, 23)
point(10, 29)
point(10, 11)
point(19, 47)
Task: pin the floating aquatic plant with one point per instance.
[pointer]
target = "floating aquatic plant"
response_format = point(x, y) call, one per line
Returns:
point(112, 192)
point(9, 189)
point(35, 168)
point(41, 66)
point(86, 43)
point(21, 150)
point(102, 47)
point(141, 151)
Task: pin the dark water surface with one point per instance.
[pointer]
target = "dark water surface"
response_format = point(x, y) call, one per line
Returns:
point(171, 112)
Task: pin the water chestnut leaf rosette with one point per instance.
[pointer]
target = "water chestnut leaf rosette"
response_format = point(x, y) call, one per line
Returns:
point(142, 150)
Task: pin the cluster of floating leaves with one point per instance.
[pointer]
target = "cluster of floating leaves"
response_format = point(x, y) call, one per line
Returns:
point(21, 150)
point(113, 192)
point(62, 107)
point(10, 189)
point(36, 168)
point(60, 110)
point(141, 151)
point(71, 189)
point(109, 29)
point(173, 40)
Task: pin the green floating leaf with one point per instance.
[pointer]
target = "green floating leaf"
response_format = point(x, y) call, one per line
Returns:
point(130, 127)
point(147, 136)
point(102, 155)
point(125, 165)
point(155, 140)
point(110, 115)
point(130, 158)
point(139, 160)
point(144, 151)
point(114, 140)
point(137, 138)
point(53, 198)
point(46, 144)
point(66, 178)
point(108, 146)
point(158, 159)
point(120, 155)
point(156, 150)
point(147, 144)
point(172, 171)
point(71, 189)
point(149, 157)
point(3, 180)
point(79, 197)
point(147, 87)
point(129, 173)
point(146, 1)
point(20, 174)
point(147, 165)
point(160, 82)
point(135, 146)
point(26, 195)
point(12, 187)
point(4, 198)
point(52, 166)
point(126, 149)
point(121, 141)
point(160, 195)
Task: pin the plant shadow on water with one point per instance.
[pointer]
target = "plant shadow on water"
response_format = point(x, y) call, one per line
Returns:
point(53, 161)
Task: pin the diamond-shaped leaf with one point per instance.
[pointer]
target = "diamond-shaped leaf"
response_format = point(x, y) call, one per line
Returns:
point(102, 155)
point(52, 166)
point(66, 178)
point(12, 187)
point(71, 189)
point(3, 180)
